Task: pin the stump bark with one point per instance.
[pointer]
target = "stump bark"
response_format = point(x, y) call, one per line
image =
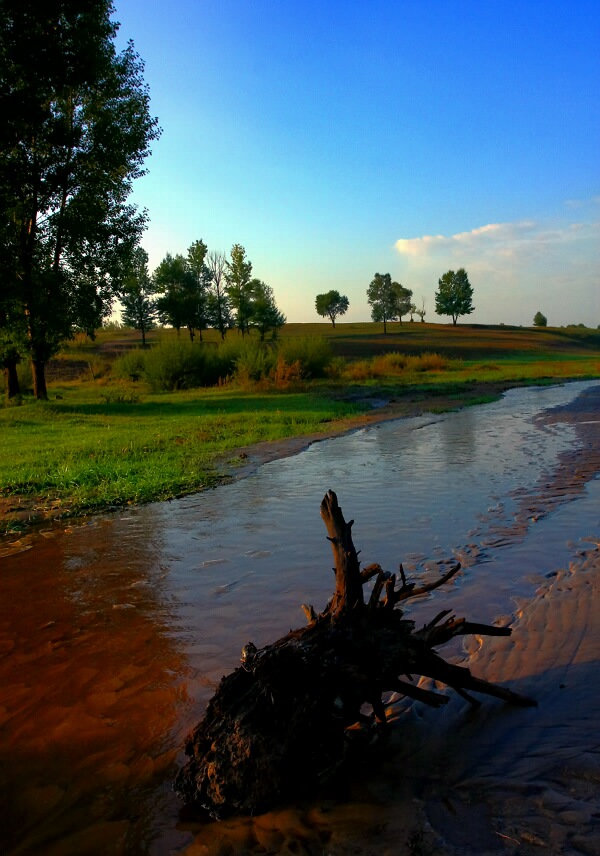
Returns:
point(279, 723)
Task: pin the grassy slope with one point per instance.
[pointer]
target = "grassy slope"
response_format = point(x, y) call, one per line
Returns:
point(86, 449)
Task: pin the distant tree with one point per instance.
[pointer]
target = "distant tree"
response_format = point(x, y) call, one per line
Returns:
point(331, 304)
point(421, 312)
point(176, 287)
point(74, 134)
point(454, 295)
point(412, 311)
point(266, 317)
point(388, 300)
point(403, 299)
point(137, 295)
point(200, 306)
point(219, 309)
point(239, 289)
point(540, 320)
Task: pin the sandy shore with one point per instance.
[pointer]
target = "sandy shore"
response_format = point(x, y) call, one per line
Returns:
point(495, 780)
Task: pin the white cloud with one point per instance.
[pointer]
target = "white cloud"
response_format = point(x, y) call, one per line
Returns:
point(514, 268)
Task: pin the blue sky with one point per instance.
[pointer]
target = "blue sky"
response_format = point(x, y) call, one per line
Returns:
point(339, 139)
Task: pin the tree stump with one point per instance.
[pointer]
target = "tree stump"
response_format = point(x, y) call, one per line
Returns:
point(279, 723)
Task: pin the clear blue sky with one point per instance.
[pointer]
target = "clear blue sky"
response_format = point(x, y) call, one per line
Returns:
point(339, 139)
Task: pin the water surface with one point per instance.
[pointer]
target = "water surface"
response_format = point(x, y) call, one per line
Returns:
point(115, 633)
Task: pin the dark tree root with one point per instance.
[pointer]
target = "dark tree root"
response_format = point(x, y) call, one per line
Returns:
point(280, 721)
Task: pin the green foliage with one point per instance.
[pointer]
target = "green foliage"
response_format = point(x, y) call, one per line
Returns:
point(331, 305)
point(455, 295)
point(389, 300)
point(76, 129)
point(239, 287)
point(131, 365)
point(540, 320)
point(313, 353)
point(137, 295)
point(265, 316)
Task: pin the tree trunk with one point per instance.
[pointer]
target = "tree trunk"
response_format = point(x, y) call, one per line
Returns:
point(38, 370)
point(11, 378)
point(279, 723)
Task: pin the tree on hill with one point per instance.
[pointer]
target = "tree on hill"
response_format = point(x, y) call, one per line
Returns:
point(75, 131)
point(388, 300)
point(421, 311)
point(454, 295)
point(265, 316)
point(540, 320)
point(137, 296)
point(331, 304)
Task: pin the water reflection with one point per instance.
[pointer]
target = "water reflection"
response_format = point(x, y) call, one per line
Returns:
point(115, 635)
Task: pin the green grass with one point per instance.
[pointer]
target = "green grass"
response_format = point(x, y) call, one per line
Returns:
point(102, 442)
point(85, 453)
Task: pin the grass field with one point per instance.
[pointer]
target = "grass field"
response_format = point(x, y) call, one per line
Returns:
point(99, 442)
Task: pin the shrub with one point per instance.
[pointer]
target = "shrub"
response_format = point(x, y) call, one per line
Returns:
point(313, 353)
point(255, 361)
point(131, 365)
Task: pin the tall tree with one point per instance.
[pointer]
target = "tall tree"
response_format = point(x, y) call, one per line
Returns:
point(331, 304)
point(219, 309)
point(196, 263)
point(454, 296)
point(266, 317)
point(239, 287)
point(403, 299)
point(137, 295)
point(175, 284)
point(382, 299)
point(75, 131)
point(540, 320)
point(421, 312)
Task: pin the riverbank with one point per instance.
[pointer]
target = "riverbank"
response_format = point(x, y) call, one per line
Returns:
point(206, 457)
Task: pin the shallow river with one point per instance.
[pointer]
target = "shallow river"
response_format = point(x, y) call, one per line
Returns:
point(114, 633)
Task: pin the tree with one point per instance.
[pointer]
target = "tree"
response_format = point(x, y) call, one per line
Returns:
point(540, 320)
point(455, 295)
point(196, 256)
point(266, 316)
point(137, 296)
point(239, 289)
point(422, 312)
point(403, 299)
point(389, 300)
point(219, 309)
point(331, 304)
point(75, 132)
point(174, 283)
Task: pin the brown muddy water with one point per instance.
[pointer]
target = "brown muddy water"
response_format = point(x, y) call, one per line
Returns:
point(115, 632)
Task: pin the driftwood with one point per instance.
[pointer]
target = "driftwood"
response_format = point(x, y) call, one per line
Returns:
point(280, 722)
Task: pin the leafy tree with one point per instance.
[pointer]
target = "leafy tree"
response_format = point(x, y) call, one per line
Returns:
point(403, 299)
point(266, 317)
point(455, 295)
point(176, 285)
point(219, 309)
point(383, 299)
point(137, 296)
point(74, 134)
point(331, 304)
point(540, 320)
point(239, 287)
point(196, 263)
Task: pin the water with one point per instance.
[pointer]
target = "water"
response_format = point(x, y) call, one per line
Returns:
point(116, 632)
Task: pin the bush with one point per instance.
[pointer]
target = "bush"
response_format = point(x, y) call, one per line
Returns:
point(131, 365)
point(255, 361)
point(313, 353)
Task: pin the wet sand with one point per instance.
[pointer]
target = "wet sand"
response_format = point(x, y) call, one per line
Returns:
point(494, 780)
